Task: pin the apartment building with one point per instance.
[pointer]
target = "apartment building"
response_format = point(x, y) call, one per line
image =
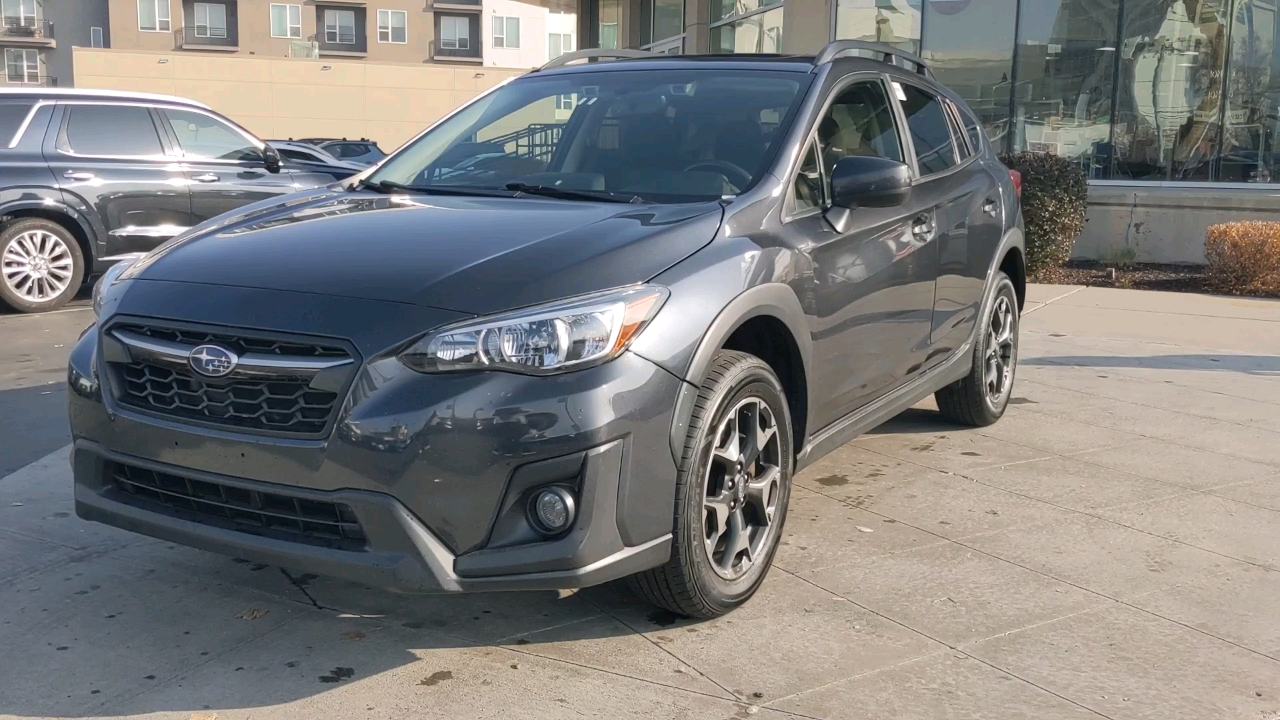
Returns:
point(522, 34)
point(36, 37)
point(379, 31)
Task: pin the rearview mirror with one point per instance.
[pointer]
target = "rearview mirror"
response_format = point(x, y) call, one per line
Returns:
point(271, 157)
point(864, 181)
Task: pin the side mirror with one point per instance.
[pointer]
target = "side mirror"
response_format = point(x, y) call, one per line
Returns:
point(862, 181)
point(271, 157)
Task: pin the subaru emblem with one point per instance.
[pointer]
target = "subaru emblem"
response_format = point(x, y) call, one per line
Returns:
point(212, 361)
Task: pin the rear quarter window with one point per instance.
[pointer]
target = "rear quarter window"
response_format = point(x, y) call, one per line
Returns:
point(12, 114)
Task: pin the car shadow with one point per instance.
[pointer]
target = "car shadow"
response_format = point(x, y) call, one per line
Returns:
point(1264, 365)
point(917, 420)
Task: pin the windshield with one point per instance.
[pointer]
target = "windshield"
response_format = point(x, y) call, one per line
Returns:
point(682, 136)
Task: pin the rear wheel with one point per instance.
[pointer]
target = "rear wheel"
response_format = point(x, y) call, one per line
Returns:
point(731, 493)
point(41, 266)
point(981, 397)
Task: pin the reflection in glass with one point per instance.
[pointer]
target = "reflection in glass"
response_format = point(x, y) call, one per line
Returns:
point(1066, 66)
point(1253, 92)
point(610, 12)
point(760, 33)
point(1167, 103)
point(894, 22)
point(668, 19)
point(725, 9)
point(969, 46)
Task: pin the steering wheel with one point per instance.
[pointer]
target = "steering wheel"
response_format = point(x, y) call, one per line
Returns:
point(736, 176)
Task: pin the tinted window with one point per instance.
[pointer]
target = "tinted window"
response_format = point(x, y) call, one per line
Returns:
point(860, 122)
point(808, 183)
point(120, 130)
point(347, 150)
point(208, 138)
point(12, 114)
point(292, 154)
point(930, 132)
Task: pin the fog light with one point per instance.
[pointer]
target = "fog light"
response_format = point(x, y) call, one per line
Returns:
point(552, 510)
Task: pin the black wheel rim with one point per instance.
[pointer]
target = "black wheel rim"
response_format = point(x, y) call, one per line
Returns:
point(742, 488)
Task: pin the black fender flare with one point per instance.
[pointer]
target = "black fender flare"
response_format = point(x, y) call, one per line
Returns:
point(55, 206)
point(774, 300)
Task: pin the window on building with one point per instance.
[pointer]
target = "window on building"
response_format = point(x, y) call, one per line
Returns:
point(756, 31)
point(286, 20)
point(153, 16)
point(1251, 133)
point(22, 65)
point(610, 14)
point(893, 22)
point(970, 49)
point(340, 27)
point(1065, 74)
point(208, 138)
point(455, 33)
point(393, 26)
point(564, 102)
point(113, 130)
point(506, 32)
point(666, 19)
point(20, 13)
point(930, 133)
point(95, 37)
point(211, 20)
point(559, 44)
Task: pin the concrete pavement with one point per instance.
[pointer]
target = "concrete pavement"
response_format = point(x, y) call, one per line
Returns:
point(1110, 549)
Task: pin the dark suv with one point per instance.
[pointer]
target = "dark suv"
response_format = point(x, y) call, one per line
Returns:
point(88, 177)
point(586, 327)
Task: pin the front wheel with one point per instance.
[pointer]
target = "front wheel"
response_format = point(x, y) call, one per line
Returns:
point(982, 396)
point(732, 491)
point(41, 266)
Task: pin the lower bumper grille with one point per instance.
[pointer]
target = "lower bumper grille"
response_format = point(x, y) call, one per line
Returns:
point(311, 522)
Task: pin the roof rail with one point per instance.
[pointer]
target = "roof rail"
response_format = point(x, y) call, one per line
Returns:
point(594, 54)
point(842, 48)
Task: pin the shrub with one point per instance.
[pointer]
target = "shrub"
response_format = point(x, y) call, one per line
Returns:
point(1054, 197)
point(1244, 257)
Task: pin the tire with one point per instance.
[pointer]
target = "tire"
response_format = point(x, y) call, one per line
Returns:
point(976, 400)
point(689, 584)
point(55, 277)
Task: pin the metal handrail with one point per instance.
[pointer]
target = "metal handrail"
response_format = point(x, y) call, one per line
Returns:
point(595, 54)
point(840, 48)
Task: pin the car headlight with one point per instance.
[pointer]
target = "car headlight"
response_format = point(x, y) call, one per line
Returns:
point(109, 278)
point(557, 337)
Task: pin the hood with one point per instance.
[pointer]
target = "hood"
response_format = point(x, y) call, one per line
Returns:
point(475, 255)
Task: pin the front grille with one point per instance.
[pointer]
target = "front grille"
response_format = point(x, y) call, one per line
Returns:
point(280, 402)
point(238, 344)
point(277, 515)
point(288, 406)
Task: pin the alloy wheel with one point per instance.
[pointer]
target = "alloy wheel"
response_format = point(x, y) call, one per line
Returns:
point(1001, 354)
point(37, 266)
point(742, 487)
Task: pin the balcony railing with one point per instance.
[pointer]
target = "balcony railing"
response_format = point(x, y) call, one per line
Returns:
point(34, 81)
point(202, 38)
point(25, 28)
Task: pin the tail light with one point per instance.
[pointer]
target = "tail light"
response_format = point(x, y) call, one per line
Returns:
point(1017, 182)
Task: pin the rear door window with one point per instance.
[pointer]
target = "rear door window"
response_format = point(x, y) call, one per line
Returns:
point(110, 130)
point(12, 115)
point(206, 138)
point(930, 132)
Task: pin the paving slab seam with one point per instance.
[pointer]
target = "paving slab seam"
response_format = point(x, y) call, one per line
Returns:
point(950, 646)
point(1067, 294)
point(855, 676)
point(658, 645)
point(1120, 372)
point(108, 705)
point(1064, 581)
point(1110, 399)
point(1160, 312)
point(557, 626)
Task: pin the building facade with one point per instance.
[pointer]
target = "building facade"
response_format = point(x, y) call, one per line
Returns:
point(379, 31)
point(36, 37)
point(1171, 107)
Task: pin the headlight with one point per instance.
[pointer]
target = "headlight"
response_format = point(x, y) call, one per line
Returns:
point(109, 278)
point(557, 337)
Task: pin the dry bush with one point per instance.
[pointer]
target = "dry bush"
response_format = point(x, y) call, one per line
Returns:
point(1055, 195)
point(1244, 257)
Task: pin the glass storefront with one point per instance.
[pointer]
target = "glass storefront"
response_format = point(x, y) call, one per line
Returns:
point(1170, 91)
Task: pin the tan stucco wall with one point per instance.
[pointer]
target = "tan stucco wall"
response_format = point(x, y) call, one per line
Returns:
point(278, 98)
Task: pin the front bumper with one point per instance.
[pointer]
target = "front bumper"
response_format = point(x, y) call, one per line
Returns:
point(436, 469)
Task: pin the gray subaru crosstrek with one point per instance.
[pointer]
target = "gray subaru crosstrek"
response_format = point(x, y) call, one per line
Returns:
point(586, 327)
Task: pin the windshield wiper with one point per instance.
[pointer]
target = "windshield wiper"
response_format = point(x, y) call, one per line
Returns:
point(566, 194)
point(387, 186)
